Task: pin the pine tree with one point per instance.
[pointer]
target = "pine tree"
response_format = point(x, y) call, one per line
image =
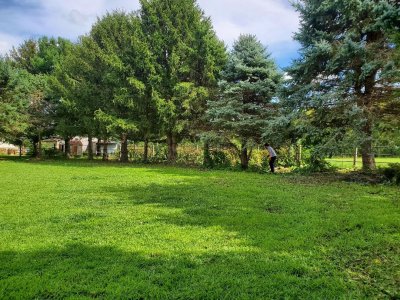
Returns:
point(15, 91)
point(346, 70)
point(81, 86)
point(129, 73)
point(187, 58)
point(40, 58)
point(249, 83)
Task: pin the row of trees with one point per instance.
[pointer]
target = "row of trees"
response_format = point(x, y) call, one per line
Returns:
point(161, 74)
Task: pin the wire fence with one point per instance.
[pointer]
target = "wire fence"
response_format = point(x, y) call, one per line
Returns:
point(383, 157)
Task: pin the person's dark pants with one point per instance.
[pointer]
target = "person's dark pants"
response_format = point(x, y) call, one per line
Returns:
point(272, 164)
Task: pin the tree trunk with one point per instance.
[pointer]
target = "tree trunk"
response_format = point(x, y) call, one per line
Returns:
point(355, 158)
point(105, 150)
point(98, 147)
point(207, 160)
point(20, 150)
point(67, 148)
point(365, 101)
point(244, 158)
point(146, 151)
point(298, 154)
point(35, 148)
point(39, 150)
point(368, 159)
point(172, 147)
point(124, 149)
point(90, 147)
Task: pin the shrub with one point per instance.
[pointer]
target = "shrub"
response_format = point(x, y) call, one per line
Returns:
point(392, 173)
point(220, 159)
point(160, 154)
point(315, 164)
point(52, 153)
point(217, 159)
point(190, 155)
point(286, 156)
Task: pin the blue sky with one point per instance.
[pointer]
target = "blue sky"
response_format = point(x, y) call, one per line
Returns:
point(273, 21)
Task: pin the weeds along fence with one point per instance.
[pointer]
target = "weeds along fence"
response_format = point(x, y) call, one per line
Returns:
point(193, 154)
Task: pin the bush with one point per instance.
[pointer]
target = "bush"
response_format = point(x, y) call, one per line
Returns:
point(220, 159)
point(217, 159)
point(392, 173)
point(286, 156)
point(189, 155)
point(315, 164)
point(52, 153)
point(160, 154)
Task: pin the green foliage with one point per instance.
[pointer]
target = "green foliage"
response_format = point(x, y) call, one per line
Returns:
point(189, 155)
point(345, 75)
point(248, 85)
point(39, 58)
point(26, 110)
point(392, 173)
point(80, 82)
point(152, 75)
point(129, 74)
point(187, 59)
point(52, 153)
point(315, 164)
point(15, 93)
point(218, 159)
point(114, 124)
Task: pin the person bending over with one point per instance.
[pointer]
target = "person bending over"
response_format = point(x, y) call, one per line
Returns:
point(272, 157)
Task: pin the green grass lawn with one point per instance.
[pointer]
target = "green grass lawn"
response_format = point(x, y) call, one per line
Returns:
point(79, 230)
point(347, 162)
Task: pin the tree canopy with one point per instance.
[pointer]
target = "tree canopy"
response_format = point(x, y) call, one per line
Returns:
point(248, 85)
point(161, 74)
point(346, 72)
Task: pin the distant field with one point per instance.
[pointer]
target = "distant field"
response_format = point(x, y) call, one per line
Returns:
point(347, 162)
point(82, 230)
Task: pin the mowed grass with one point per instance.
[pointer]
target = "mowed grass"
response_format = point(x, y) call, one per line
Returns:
point(91, 230)
point(347, 162)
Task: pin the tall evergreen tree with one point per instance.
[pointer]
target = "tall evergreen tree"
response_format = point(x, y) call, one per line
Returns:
point(130, 73)
point(187, 57)
point(15, 91)
point(81, 85)
point(39, 58)
point(248, 85)
point(346, 70)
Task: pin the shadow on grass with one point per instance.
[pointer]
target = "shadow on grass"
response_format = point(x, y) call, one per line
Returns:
point(107, 272)
point(273, 225)
point(334, 175)
point(283, 263)
point(256, 214)
point(168, 169)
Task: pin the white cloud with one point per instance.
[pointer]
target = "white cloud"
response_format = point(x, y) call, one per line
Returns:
point(8, 41)
point(273, 21)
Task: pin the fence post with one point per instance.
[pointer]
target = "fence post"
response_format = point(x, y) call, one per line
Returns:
point(355, 158)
